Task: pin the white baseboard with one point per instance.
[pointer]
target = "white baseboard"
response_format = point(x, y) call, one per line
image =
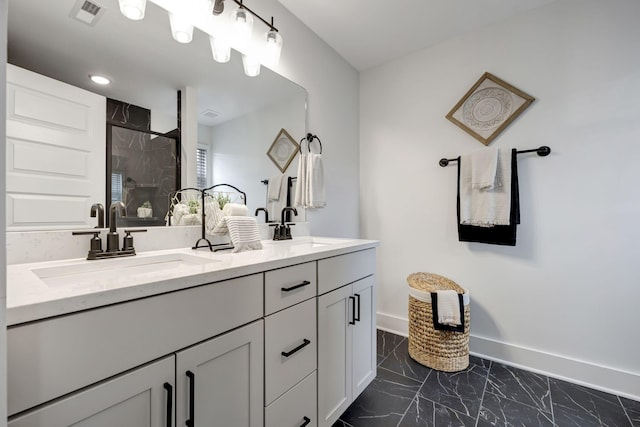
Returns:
point(610, 380)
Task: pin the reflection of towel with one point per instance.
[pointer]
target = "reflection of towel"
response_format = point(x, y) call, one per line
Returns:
point(274, 188)
point(452, 302)
point(244, 233)
point(300, 199)
point(235, 209)
point(499, 234)
point(275, 206)
point(490, 205)
point(315, 181)
point(230, 210)
point(484, 168)
point(213, 214)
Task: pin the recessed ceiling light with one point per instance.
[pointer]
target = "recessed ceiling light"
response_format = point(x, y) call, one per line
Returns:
point(101, 80)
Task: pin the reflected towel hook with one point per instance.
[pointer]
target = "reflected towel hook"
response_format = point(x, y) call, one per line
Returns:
point(540, 151)
point(310, 139)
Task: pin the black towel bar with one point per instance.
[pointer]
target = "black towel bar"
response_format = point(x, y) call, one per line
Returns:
point(541, 151)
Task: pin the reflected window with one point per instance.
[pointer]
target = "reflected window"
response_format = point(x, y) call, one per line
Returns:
point(201, 166)
point(116, 187)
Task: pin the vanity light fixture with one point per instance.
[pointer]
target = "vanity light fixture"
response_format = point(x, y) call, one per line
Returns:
point(272, 48)
point(133, 9)
point(101, 80)
point(241, 26)
point(251, 64)
point(181, 27)
point(220, 49)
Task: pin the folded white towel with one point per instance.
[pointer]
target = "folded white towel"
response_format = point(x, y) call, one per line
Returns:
point(448, 308)
point(300, 199)
point(484, 165)
point(244, 233)
point(315, 181)
point(235, 209)
point(213, 214)
point(274, 187)
point(486, 207)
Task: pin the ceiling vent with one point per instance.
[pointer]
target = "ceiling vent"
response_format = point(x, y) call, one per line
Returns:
point(209, 114)
point(87, 12)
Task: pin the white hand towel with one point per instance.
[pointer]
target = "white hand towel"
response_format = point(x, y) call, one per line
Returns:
point(484, 165)
point(274, 207)
point(315, 181)
point(235, 209)
point(448, 308)
point(244, 233)
point(274, 186)
point(486, 207)
point(300, 199)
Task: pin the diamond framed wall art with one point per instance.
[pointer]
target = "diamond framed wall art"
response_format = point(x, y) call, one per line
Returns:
point(488, 108)
point(283, 150)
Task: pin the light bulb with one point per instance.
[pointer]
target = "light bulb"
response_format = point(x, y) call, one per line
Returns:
point(181, 28)
point(251, 65)
point(272, 49)
point(101, 80)
point(133, 9)
point(220, 49)
point(241, 27)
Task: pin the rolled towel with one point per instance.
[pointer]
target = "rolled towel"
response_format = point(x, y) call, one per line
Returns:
point(448, 308)
point(235, 209)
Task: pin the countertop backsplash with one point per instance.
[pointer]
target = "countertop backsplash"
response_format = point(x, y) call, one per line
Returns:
point(37, 246)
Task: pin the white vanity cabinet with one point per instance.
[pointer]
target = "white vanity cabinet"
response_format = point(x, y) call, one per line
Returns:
point(346, 332)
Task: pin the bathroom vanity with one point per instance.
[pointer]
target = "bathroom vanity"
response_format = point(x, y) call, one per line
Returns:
point(284, 336)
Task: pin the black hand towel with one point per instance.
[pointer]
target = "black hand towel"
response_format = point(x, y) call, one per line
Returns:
point(499, 234)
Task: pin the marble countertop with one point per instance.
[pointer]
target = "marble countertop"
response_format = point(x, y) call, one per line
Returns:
point(40, 290)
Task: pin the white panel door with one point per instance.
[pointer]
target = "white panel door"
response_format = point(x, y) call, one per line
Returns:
point(334, 354)
point(141, 398)
point(55, 152)
point(221, 381)
point(364, 335)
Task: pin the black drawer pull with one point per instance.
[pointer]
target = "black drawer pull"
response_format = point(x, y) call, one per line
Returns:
point(305, 283)
point(307, 420)
point(357, 316)
point(169, 389)
point(297, 349)
point(353, 310)
point(192, 398)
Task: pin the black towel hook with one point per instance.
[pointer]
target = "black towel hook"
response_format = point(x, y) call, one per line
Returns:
point(540, 151)
point(310, 139)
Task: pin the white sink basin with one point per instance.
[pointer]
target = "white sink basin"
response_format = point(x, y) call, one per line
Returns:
point(91, 272)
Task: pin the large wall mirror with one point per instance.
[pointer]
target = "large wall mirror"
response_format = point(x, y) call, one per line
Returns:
point(238, 116)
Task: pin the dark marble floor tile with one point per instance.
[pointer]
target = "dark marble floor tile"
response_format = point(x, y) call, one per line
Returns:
point(341, 423)
point(520, 386)
point(460, 391)
point(387, 342)
point(498, 411)
point(630, 405)
point(401, 363)
point(383, 402)
point(577, 406)
point(380, 359)
point(420, 413)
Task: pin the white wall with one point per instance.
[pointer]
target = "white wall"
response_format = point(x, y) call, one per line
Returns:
point(565, 299)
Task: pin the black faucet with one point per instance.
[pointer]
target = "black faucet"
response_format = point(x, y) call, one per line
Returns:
point(266, 213)
point(98, 209)
point(283, 230)
point(113, 240)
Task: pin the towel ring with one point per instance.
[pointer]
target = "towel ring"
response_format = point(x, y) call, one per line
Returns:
point(310, 139)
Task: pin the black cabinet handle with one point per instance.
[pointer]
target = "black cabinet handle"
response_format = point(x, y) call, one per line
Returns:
point(192, 398)
point(307, 420)
point(169, 389)
point(356, 317)
point(305, 283)
point(353, 311)
point(297, 349)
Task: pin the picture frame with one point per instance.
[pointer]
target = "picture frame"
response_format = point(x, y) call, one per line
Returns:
point(283, 150)
point(488, 108)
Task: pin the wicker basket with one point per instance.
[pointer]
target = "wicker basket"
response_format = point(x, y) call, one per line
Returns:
point(441, 350)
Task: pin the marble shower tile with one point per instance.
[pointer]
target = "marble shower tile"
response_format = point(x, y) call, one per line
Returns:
point(577, 406)
point(633, 410)
point(500, 412)
point(401, 363)
point(387, 342)
point(383, 402)
point(460, 391)
point(519, 385)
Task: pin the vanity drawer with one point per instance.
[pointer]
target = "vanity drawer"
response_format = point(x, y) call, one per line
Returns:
point(52, 357)
point(288, 286)
point(294, 407)
point(293, 332)
point(341, 270)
